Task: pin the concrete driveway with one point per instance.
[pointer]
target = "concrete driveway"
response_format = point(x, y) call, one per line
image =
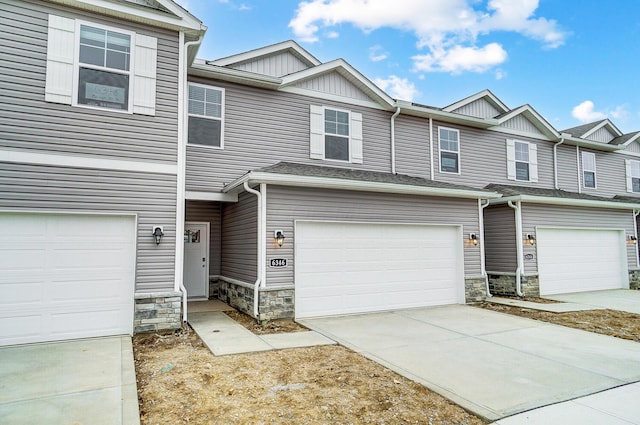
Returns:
point(492, 364)
point(614, 299)
point(89, 381)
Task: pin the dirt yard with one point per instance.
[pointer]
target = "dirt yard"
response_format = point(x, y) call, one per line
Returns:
point(607, 322)
point(181, 382)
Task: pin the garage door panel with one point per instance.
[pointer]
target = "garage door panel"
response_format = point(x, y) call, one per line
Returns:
point(575, 260)
point(61, 281)
point(346, 268)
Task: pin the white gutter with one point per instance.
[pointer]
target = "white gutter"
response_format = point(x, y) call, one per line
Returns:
point(635, 233)
point(579, 168)
point(570, 202)
point(483, 267)
point(360, 185)
point(519, 255)
point(393, 140)
point(256, 285)
point(182, 167)
point(555, 162)
point(433, 173)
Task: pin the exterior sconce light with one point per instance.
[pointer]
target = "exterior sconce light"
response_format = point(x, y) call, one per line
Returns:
point(278, 235)
point(157, 234)
point(632, 239)
point(531, 239)
point(473, 238)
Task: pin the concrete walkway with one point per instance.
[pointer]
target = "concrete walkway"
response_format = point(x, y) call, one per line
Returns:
point(223, 335)
point(493, 364)
point(88, 381)
point(614, 299)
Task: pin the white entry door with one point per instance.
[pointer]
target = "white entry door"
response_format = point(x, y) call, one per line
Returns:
point(196, 260)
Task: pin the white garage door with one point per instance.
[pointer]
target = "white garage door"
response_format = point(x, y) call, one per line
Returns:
point(65, 276)
point(576, 260)
point(343, 268)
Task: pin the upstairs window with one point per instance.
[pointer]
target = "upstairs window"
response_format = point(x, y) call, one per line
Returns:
point(335, 134)
point(449, 142)
point(522, 161)
point(589, 170)
point(104, 67)
point(206, 114)
point(633, 175)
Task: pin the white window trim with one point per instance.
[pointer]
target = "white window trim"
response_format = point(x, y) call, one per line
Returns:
point(511, 161)
point(447, 150)
point(324, 134)
point(221, 119)
point(629, 174)
point(584, 170)
point(76, 66)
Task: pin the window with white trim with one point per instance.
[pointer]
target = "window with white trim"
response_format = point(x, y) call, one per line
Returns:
point(589, 170)
point(449, 143)
point(206, 115)
point(633, 175)
point(336, 134)
point(522, 161)
point(97, 66)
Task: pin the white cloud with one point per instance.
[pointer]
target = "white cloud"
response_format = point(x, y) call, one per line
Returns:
point(398, 88)
point(500, 74)
point(377, 53)
point(584, 112)
point(446, 28)
point(460, 59)
point(332, 34)
point(244, 7)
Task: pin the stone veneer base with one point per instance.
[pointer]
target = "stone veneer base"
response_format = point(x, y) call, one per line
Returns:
point(157, 312)
point(506, 285)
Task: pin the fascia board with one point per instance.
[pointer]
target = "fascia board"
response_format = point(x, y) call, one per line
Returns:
point(448, 117)
point(574, 141)
point(569, 202)
point(265, 51)
point(233, 75)
point(343, 184)
point(631, 140)
point(180, 21)
point(520, 133)
point(605, 123)
point(484, 93)
point(528, 110)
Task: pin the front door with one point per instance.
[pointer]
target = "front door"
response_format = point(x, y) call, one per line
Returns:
point(196, 260)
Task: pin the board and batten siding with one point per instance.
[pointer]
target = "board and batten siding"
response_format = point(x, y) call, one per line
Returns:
point(335, 84)
point(277, 65)
point(483, 158)
point(481, 108)
point(285, 205)
point(239, 239)
point(210, 212)
point(633, 147)
point(520, 123)
point(499, 237)
point(150, 196)
point(28, 122)
point(601, 135)
point(574, 217)
point(263, 127)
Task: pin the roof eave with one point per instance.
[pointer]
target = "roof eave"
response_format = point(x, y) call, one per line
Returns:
point(449, 117)
point(357, 185)
point(570, 202)
point(234, 75)
point(575, 141)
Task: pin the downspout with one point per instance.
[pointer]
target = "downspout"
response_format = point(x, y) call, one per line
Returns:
point(518, 247)
point(483, 267)
point(256, 285)
point(431, 148)
point(555, 163)
point(579, 168)
point(635, 233)
point(182, 167)
point(393, 140)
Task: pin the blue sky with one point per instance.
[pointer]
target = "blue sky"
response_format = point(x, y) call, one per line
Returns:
point(574, 62)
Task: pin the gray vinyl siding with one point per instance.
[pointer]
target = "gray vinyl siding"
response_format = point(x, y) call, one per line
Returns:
point(480, 108)
point(483, 158)
point(499, 237)
point(557, 216)
point(276, 65)
point(601, 135)
point(611, 178)
point(28, 122)
point(568, 168)
point(150, 196)
point(263, 127)
point(335, 84)
point(520, 123)
point(412, 146)
point(210, 212)
point(285, 205)
point(239, 239)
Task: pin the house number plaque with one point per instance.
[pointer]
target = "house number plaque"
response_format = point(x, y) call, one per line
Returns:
point(278, 262)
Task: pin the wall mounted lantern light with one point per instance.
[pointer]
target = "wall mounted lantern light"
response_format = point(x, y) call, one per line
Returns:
point(531, 239)
point(158, 233)
point(473, 238)
point(278, 235)
point(632, 239)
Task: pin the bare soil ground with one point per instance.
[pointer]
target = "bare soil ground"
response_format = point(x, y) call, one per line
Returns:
point(607, 322)
point(272, 327)
point(181, 382)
